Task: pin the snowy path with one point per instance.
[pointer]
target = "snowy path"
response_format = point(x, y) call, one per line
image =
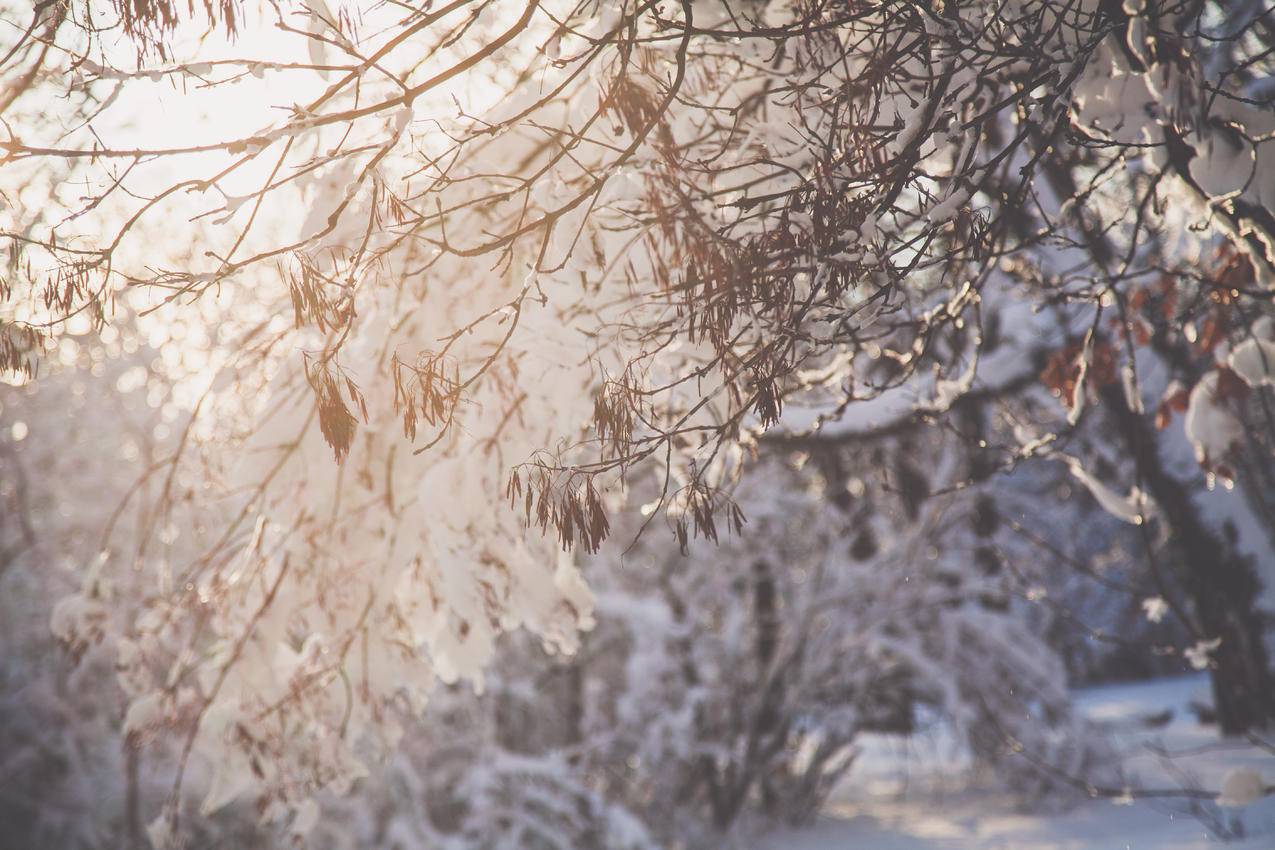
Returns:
point(916, 794)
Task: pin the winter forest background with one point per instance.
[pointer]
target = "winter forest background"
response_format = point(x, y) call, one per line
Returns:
point(567, 424)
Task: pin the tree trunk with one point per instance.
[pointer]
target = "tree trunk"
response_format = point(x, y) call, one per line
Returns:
point(1220, 581)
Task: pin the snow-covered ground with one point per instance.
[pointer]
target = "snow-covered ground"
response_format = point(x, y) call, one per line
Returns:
point(917, 793)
